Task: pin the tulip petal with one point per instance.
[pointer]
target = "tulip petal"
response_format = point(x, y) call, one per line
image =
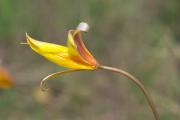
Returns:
point(77, 48)
point(55, 53)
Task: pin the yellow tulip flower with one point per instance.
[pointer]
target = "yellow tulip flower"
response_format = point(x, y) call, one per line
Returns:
point(77, 57)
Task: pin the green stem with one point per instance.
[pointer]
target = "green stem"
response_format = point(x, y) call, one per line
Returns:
point(139, 84)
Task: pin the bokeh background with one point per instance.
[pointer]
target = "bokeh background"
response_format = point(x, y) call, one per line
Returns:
point(139, 36)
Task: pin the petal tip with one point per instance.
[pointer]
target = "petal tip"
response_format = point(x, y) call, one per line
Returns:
point(27, 36)
point(29, 39)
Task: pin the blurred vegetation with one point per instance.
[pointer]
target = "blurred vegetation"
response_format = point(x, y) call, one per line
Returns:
point(141, 36)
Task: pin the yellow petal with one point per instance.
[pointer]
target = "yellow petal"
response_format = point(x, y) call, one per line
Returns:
point(55, 53)
point(77, 49)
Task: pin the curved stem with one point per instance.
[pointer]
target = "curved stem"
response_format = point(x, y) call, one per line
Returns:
point(53, 75)
point(139, 84)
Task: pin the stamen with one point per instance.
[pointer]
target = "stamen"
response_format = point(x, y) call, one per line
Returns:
point(83, 27)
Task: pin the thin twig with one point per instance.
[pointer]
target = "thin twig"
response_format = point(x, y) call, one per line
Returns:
point(139, 84)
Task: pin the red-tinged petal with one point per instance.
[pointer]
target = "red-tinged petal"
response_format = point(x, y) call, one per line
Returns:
point(77, 48)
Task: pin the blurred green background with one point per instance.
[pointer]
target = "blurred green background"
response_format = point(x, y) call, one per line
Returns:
point(139, 36)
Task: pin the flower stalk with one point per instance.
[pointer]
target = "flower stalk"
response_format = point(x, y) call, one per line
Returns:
point(139, 84)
